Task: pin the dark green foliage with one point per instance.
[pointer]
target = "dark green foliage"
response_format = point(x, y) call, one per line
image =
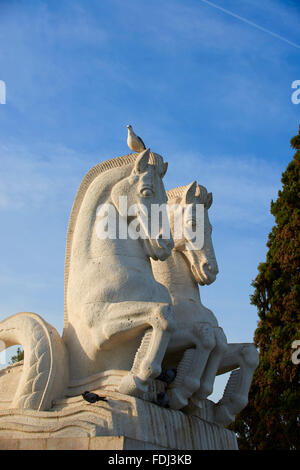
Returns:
point(295, 141)
point(18, 357)
point(271, 419)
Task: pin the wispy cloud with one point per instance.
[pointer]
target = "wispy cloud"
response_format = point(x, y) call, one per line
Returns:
point(40, 45)
point(211, 25)
point(68, 23)
point(30, 179)
point(251, 23)
point(242, 187)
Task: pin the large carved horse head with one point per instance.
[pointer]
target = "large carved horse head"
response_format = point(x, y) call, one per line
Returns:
point(143, 189)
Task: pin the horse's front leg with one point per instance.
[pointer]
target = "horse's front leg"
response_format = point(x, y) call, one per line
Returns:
point(157, 319)
point(191, 366)
point(235, 397)
point(212, 366)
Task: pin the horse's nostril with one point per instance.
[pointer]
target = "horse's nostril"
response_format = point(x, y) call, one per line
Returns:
point(209, 269)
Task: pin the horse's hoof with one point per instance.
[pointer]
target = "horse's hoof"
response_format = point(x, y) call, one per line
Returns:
point(192, 384)
point(222, 415)
point(133, 386)
point(176, 400)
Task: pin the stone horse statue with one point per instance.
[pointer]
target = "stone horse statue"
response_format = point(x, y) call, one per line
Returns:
point(198, 347)
point(118, 318)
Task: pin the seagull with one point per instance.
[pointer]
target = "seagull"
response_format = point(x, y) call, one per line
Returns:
point(134, 142)
point(92, 397)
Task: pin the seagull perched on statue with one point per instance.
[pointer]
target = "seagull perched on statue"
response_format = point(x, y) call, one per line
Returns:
point(134, 142)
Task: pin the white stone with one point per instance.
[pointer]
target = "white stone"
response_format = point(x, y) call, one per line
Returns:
point(132, 307)
point(198, 347)
point(45, 372)
point(117, 317)
point(143, 424)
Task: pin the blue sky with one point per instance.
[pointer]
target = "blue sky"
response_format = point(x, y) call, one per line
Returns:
point(208, 91)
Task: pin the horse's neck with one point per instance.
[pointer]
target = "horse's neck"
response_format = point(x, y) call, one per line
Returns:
point(175, 274)
point(123, 251)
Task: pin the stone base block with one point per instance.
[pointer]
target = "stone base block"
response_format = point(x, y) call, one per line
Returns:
point(122, 422)
point(77, 443)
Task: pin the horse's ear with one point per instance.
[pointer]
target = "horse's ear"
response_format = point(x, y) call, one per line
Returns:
point(142, 161)
point(189, 195)
point(209, 200)
point(164, 170)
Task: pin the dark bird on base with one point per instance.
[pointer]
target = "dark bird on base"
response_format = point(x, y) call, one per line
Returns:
point(162, 399)
point(92, 397)
point(167, 376)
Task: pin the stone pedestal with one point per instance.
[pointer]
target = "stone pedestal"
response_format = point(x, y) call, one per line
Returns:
point(77, 443)
point(122, 422)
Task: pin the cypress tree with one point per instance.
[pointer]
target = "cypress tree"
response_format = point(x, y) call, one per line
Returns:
point(271, 419)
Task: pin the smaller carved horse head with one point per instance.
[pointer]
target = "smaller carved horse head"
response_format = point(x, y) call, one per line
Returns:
point(202, 260)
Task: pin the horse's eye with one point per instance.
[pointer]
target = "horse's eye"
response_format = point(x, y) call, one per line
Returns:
point(146, 192)
point(191, 223)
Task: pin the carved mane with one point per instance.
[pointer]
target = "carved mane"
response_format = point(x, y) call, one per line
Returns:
point(201, 196)
point(102, 167)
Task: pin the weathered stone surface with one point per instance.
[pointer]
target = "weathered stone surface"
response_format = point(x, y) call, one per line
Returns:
point(198, 347)
point(75, 443)
point(144, 423)
point(135, 329)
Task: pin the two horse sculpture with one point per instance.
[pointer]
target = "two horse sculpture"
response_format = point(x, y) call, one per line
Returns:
point(198, 348)
point(127, 317)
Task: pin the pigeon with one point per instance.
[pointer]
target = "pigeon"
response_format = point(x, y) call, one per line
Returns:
point(134, 142)
point(92, 397)
point(162, 399)
point(167, 376)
